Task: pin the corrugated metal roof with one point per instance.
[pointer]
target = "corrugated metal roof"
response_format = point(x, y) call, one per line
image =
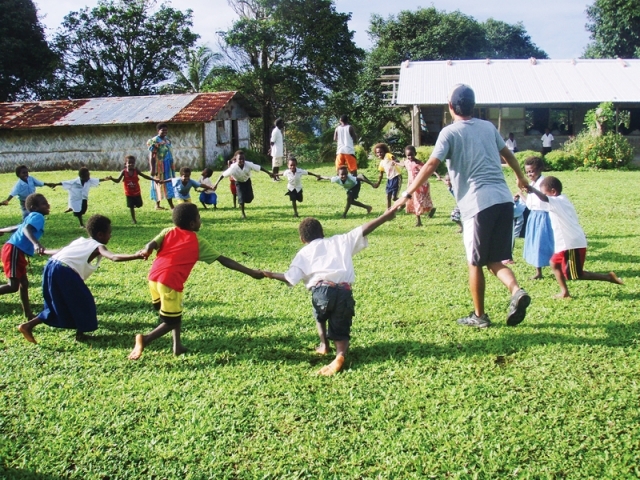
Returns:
point(186, 108)
point(518, 82)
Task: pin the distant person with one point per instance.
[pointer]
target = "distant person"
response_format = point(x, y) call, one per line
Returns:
point(511, 143)
point(547, 140)
point(345, 136)
point(294, 182)
point(277, 148)
point(351, 185)
point(570, 241)
point(78, 189)
point(420, 202)
point(161, 166)
point(208, 196)
point(131, 184)
point(392, 168)
point(25, 186)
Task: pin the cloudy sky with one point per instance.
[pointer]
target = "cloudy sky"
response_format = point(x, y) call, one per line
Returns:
point(556, 26)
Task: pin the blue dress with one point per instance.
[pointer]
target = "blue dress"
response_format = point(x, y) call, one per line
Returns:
point(538, 239)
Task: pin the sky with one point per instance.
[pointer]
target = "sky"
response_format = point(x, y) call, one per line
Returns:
point(555, 26)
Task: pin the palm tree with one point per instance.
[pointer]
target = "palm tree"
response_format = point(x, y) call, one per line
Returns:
point(200, 70)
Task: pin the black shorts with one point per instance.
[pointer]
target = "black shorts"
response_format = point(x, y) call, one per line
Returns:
point(335, 304)
point(488, 235)
point(393, 185)
point(83, 210)
point(134, 202)
point(244, 192)
point(354, 191)
point(294, 195)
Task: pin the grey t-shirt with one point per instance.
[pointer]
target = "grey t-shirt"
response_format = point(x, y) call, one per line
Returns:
point(472, 151)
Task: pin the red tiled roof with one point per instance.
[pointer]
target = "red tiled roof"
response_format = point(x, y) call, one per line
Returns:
point(35, 114)
point(203, 108)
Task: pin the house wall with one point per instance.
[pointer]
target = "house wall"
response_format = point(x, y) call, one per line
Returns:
point(218, 134)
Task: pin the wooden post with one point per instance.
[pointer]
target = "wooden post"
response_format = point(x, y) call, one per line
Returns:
point(415, 126)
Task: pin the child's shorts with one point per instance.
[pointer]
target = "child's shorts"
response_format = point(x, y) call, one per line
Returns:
point(393, 185)
point(209, 198)
point(83, 210)
point(347, 159)
point(14, 261)
point(354, 191)
point(245, 192)
point(167, 301)
point(335, 303)
point(134, 201)
point(572, 262)
point(294, 195)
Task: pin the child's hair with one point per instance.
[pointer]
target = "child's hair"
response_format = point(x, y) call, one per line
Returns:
point(344, 118)
point(291, 158)
point(343, 167)
point(310, 229)
point(384, 148)
point(185, 171)
point(33, 201)
point(130, 157)
point(83, 172)
point(278, 122)
point(237, 152)
point(184, 214)
point(535, 162)
point(160, 126)
point(19, 169)
point(412, 148)
point(208, 172)
point(552, 183)
point(97, 224)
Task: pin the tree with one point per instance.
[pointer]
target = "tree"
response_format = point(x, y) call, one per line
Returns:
point(615, 29)
point(289, 55)
point(199, 72)
point(509, 41)
point(121, 48)
point(25, 57)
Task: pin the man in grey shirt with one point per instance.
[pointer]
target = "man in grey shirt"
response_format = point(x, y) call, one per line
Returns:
point(472, 149)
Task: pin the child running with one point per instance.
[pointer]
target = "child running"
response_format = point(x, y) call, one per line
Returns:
point(294, 182)
point(455, 213)
point(393, 170)
point(24, 242)
point(182, 186)
point(232, 185)
point(420, 202)
point(538, 236)
point(68, 302)
point(570, 241)
point(208, 196)
point(179, 248)
point(131, 184)
point(325, 265)
point(352, 186)
point(78, 189)
point(25, 186)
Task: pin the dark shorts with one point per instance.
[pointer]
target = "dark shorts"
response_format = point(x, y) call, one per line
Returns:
point(14, 261)
point(546, 150)
point(294, 195)
point(355, 191)
point(245, 192)
point(393, 185)
point(335, 304)
point(83, 210)
point(488, 235)
point(572, 262)
point(134, 202)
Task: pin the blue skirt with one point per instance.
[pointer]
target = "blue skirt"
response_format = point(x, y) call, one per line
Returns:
point(68, 303)
point(209, 198)
point(538, 239)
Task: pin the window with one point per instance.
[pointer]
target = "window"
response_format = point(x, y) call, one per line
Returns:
point(558, 120)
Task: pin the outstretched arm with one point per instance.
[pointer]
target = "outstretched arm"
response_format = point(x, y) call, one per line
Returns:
point(369, 227)
point(8, 229)
point(233, 265)
point(30, 233)
point(423, 175)
point(6, 202)
point(276, 276)
point(108, 177)
point(262, 169)
point(216, 184)
point(117, 180)
point(377, 184)
point(364, 179)
point(119, 257)
point(538, 193)
point(511, 160)
point(145, 176)
point(148, 249)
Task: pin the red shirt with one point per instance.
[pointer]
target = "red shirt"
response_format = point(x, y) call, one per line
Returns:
point(131, 183)
point(176, 257)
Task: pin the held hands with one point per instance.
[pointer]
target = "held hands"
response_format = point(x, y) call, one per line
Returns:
point(144, 253)
point(397, 205)
point(38, 248)
point(4, 202)
point(257, 274)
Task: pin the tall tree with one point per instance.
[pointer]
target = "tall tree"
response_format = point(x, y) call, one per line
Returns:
point(289, 55)
point(25, 57)
point(509, 41)
point(199, 71)
point(615, 29)
point(122, 47)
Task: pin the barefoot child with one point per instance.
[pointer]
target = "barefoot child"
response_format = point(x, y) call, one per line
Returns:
point(570, 241)
point(325, 265)
point(25, 241)
point(179, 248)
point(208, 196)
point(182, 186)
point(131, 184)
point(25, 186)
point(68, 303)
point(294, 182)
point(393, 170)
point(78, 189)
point(420, 202)
point(352, 186)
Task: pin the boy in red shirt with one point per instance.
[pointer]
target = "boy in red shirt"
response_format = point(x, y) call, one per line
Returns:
point(132, 184)
point(179, 248)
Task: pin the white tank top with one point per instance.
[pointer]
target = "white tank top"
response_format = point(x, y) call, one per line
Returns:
point(345, 142)
point(76, 254)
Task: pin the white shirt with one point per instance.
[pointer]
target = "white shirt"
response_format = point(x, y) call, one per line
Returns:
point(294, 180)
point(329, 259)
point(511, 144)
point(78, 191)
point(567, 232)
point(241, 174)
point(206, 182)
point(277, 149)
point(76, 254)
point(546, 140)
point(345, 141)
point(533, 202)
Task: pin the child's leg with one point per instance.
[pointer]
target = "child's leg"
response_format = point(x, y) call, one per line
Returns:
point(389, 200)
point(170, 202)
point(324, 346)
point(368, 208)
point(242, 210)
point(26, 329)
point(556, 268)
point(295, 208)
point(12, 286)
point(538, 274)
point(602, 277)
point(204, 205)
point(143, 340)
point(334, 367)
point(418, 221)
point(178, 348)
point(133, 215)
point(24, 297)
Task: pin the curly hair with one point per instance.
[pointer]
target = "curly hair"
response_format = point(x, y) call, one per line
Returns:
point(384, 148)
point(19, 169)
point(184, 214)
point(160, 126)
point(83, 172)
point(207, 171)
point(185, 171)
point(33, 201)
point(98, 224)
point(310, 229)
point(552, 183)
point(535, 162)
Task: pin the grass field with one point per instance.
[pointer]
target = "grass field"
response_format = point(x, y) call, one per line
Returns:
point(556, 397)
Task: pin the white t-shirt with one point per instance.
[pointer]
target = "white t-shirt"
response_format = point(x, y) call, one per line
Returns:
point(329, 259)
point(511, 144)
point(294, 180)
point(241, 174)
point(76, 254)
point(345, 140)
point(547, 138)
point(533, 202)
point(567, 232)
point(78, 191)
point(277, 149)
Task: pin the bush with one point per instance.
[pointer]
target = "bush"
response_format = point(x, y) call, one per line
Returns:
point(424, 153)
point(361, 155)
point(558, 160)
point(607, 151)
point(524, 154)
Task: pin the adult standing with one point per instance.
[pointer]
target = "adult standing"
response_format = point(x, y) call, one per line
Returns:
point(511, 143)
point(345, 136)
point(472, 149)
point(277, 148)
point(161, 166)
point(547, 140)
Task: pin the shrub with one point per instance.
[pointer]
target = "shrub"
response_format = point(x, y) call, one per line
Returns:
point(560, 160)
point(524, 154)
point(607, 151)
point(424, 153)
point(361, 155)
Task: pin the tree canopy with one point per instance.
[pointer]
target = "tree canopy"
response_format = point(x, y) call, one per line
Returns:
point(199, 72)
point(615, 29)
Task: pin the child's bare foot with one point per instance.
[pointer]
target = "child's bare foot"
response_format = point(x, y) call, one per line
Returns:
point(295, 215)
point(344, 215)
point(179, 350)
point(562, 295)
point(333, 368)
point(369, 208)
point(68, 210)
point(613, 278)
point(158, 207)
point(536, 277)
point(139, 347)
point(323, 349)
point(418, 223)
point(134, 222)
point(26, 333)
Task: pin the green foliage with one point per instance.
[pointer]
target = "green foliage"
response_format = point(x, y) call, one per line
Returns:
point(120, 48)
point(25, 56)
point(362, 156)
point(559, 160)
point(615, 29)
point(256, 157)
point(423, 153)
point(603, 118)
point(607, 151)
point(200, 72)
point(522, 155)
point(509, 41)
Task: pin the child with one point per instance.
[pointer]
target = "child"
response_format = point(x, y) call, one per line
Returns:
point(182, 186)
point(392, 168)
point(232, 184)
point(208, 197)
point(538, 240)
point(68, 303)
point(570, 242)
point(352, 186)
point(518, 220)
point(179, 248)
point(78, 189)
point(294, 182)
point(132, 184)
point(325, 265)
point(24, 241)
point(455, 213)
point(25, 186)
point(420, 202)
point(241, 171)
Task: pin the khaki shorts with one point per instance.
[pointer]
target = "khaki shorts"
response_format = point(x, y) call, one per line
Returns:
point(277, 161)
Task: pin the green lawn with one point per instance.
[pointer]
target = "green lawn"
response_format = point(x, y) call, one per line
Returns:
point(556, 397)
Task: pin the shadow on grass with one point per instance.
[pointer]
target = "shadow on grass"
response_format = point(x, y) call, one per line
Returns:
point(13, 473)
